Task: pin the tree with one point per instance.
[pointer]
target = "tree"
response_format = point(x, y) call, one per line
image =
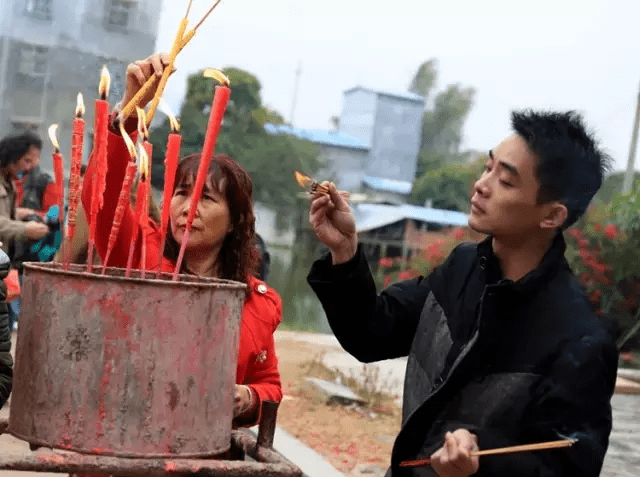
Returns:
point(439, 157)
point(448, 187)
point(270, 160)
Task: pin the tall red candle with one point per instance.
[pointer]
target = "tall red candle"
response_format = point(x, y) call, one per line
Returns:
point(141, 216)
point(77, 146)
point(218, 108)
point(123, 199)
point(170, 165)
point(58, 170)
point(100, 169)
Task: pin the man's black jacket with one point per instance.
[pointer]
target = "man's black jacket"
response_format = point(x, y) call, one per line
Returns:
point(513, 362)
point(6, 362)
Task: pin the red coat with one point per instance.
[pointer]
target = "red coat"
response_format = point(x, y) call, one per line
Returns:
point(262, 312)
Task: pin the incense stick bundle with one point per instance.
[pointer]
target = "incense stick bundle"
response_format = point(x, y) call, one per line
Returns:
point(500, 451)
point(181, 40)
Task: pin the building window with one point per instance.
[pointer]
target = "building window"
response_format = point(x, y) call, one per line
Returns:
point(39, 8)
point(119, 13)
point(33, 60)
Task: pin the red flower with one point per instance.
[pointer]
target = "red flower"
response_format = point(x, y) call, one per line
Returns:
point(597, 227)
point(611, 231)
point(583, 243)
point(595, 295)
point(387, 280)
point(599, 267)
point(386, 262)
point(575, 233)
point(459, 233)
point(405, 275)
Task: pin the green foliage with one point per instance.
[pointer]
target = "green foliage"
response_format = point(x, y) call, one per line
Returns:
point(270, 160)
point(448, 187)
point(611, 186)
point(442, 173)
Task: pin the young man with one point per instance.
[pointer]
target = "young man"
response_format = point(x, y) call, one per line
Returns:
point(502, 346)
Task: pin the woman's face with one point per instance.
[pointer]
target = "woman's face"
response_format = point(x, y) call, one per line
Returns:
point(211, 223)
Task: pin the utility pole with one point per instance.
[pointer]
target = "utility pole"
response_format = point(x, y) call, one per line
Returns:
point(629, 175)
point(295, 92)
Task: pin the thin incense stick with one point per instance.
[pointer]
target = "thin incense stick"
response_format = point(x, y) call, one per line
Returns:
point(500, 451)
point(131, 105)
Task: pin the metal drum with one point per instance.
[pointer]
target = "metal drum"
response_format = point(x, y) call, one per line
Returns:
point(128, 367)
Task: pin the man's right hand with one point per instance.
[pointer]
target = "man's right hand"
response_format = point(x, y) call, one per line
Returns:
point(36, 230)
point(334, 224)
point(137, 75)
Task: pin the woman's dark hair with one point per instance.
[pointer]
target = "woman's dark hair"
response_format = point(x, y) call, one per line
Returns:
point(12, 148)
point(238, 254)
point(570, 166)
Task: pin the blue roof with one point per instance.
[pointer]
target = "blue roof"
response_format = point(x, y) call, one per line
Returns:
point(388, 185)
point(373, 216)
point(401, 94)
point(319, 136)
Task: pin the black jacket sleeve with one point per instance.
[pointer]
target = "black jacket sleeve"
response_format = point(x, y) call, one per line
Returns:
point(6, 362)
point(371, 327)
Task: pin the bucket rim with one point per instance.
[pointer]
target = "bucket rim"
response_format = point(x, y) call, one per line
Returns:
point(118, 274)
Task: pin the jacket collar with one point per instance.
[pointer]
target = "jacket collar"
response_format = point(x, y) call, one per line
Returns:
point(552, 261)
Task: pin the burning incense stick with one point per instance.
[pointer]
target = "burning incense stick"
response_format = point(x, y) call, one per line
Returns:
point(313, 186)
point(500, 451)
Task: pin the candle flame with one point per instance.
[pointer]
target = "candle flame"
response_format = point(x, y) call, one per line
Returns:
point(142, 123)
point(80, 106)
point(52, 135)
point(105, 82)
point(164, 107)
point(128, 141)
point(303, 180)
point(217, 75)
point(144, 162)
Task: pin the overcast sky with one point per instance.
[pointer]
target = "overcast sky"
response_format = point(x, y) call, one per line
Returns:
point(545, 54)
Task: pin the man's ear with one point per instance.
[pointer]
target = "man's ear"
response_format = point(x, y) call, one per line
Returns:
point(556, 215)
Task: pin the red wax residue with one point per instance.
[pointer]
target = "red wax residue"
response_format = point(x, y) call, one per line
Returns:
point(170, 467)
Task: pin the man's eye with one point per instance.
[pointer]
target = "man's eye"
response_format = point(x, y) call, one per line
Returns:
point(506, 184)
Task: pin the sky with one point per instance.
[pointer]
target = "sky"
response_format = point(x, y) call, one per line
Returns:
point(548, 54)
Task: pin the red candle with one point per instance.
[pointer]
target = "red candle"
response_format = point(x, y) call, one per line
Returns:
point(170, 166)
point(141, 216)
point(123, 198)
point(100, 151)
point(77, 146)
point(220, 100)
point(58, 170)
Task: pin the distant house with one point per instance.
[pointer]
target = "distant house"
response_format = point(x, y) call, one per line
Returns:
point(50, 50)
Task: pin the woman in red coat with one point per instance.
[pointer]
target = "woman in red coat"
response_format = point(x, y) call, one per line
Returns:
point(221, 245)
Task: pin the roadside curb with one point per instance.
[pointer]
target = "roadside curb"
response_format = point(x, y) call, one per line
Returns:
point(310, 462)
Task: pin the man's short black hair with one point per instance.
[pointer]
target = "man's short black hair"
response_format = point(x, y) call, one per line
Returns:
point(571, 167)
point(12, 148)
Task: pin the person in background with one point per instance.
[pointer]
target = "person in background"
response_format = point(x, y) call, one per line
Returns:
point(35, 189)
point(503, 348)
point(6, 362)
point(264, 260)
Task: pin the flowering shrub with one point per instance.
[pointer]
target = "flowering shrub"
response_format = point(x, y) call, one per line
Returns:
point(602, 249)
point(423, 261)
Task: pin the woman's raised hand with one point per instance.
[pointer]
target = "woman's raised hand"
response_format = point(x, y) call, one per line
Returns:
point(334, 224)
point(137, 75)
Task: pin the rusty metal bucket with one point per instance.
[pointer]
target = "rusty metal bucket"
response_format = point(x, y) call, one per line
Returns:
point(127, 367)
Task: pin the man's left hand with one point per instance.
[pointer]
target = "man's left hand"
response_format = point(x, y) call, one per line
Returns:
point(454, 458)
